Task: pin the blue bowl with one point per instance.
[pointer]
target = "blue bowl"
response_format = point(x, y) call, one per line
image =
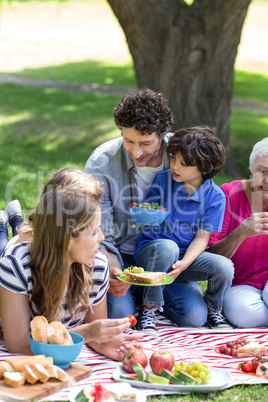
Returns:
point(62, 355)
point(144, 216)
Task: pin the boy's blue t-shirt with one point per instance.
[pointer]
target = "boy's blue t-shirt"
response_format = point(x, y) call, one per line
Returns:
point(204, 209)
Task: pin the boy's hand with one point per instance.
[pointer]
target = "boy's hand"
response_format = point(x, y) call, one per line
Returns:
point(177, 268)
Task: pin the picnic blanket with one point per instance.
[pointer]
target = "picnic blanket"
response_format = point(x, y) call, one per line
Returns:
point(192, 344)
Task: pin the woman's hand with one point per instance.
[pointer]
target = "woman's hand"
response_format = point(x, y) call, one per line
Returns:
point(103, 330)
point(255, 225)
point(117, 347)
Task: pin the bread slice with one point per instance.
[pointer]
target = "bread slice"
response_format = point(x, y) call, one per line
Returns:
point(5, 366)
point(121, 391)
point(146, 277)
point(57, 372)
point(40, 371)
point(251, 349)
point(14, 378)
point(30, 377)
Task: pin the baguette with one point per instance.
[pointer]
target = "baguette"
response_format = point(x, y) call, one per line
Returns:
point(19, 363)
point(5, 366)
point(146, 277)
point(38, 327)
point(251, 349)
point(14, 379)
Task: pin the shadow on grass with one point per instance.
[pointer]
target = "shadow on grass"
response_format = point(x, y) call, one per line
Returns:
point(85, 72)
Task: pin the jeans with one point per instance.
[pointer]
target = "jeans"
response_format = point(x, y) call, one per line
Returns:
point(182, 300)
point(14, 222)
point(246, 307)
point(120, 307)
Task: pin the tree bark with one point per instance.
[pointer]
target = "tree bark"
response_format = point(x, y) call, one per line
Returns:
point(188, 54)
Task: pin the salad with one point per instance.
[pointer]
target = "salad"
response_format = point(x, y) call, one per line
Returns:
point(147, 205)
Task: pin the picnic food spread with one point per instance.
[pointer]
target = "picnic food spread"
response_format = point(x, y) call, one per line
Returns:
point(54, 332)
point(137, 274)
point(164, 371)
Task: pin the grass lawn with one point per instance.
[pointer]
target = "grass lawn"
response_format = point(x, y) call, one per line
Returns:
point(44, 129)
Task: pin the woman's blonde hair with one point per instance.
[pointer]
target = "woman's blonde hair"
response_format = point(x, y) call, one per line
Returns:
point(60, 215)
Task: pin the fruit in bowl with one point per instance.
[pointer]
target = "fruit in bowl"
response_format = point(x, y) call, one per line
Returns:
point(62, 355)
point(147, 213)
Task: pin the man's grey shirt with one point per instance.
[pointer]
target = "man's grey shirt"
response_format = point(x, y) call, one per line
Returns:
point(112, 166)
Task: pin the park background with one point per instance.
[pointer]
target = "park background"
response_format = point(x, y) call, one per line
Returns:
point(63, 68)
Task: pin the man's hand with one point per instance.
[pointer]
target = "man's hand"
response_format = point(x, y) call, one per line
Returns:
point(117, 287)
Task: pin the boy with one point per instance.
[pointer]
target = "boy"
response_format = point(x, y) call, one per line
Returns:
point(196, 209)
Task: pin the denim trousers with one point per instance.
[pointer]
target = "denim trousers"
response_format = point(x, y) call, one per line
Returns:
point(120, 307)
point(246, 306)
point(183, 301)
point(14, 222)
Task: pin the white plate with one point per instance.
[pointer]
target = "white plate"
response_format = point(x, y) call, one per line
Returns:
point(219, 379)
point(75, 391)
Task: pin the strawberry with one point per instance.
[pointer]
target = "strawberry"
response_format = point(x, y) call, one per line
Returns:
point(255, 364)
point(132, 206)
point(133, 320)
point(247, 366)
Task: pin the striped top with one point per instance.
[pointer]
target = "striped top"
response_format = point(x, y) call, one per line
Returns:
point(15, 275)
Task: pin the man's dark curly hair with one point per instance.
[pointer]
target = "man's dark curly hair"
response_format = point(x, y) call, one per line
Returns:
point(200, 147)
point(146, 111)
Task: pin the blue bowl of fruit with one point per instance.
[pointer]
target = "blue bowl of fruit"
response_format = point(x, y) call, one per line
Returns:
point(149, 214)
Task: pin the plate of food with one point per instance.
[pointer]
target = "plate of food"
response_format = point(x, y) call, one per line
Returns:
point(119, 391)
point(242, 348)
point(257, 366)
point(137, 276)
point(219, 379)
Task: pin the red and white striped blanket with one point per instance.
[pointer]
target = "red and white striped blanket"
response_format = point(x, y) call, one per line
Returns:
point(192, 344)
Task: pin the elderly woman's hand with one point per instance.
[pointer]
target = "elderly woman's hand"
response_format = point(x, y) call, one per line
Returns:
point(255, 225)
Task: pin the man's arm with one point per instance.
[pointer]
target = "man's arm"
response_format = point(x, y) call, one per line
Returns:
point(117, 287)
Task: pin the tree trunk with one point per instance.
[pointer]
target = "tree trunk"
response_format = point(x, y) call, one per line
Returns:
point(188, 54)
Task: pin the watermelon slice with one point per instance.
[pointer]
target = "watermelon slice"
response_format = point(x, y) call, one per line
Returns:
point(132, 376)
point(170, 376)
point(186, 378)
point(140, 371)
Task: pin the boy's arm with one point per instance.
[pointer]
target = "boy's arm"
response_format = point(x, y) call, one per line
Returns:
point(194, 249)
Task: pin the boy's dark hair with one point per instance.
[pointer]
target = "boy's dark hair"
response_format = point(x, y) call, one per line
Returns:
point(200, 147)
point(144, 110)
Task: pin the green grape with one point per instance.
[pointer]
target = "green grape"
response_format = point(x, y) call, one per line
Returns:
point(202, 375)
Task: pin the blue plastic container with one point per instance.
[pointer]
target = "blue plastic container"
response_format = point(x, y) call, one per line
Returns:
point(62, 355)
point(150, 217)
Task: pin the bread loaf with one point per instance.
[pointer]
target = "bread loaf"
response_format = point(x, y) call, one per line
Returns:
point(19, 363)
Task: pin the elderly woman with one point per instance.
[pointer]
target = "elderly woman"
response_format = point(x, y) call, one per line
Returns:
point(244, 239)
